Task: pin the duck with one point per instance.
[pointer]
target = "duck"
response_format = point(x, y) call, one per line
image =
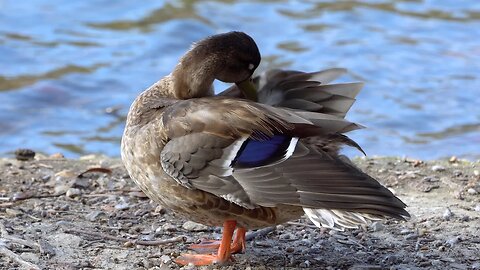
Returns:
point(263, 152)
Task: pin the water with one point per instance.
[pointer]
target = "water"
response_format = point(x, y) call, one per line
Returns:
point(70, 69)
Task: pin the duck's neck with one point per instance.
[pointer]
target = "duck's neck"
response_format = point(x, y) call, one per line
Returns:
point(194, 74)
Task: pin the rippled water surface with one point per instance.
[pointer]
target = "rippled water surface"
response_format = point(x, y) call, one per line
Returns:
point(70, 69)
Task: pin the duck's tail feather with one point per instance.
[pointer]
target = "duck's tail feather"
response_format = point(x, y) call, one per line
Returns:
point(338, 219)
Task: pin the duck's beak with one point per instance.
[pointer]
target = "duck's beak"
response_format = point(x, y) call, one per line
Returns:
point(248, 89)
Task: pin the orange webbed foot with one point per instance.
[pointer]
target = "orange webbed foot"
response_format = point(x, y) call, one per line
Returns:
point(206, 246)
point(225, 247)
point(201, 259)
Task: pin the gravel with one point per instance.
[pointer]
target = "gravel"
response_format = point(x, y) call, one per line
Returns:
point(95, 221)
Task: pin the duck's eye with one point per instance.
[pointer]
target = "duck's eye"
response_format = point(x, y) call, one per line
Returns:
point(250, 66)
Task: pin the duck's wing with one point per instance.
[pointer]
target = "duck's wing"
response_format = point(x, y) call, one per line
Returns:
point(251, 154)
point(311, 91)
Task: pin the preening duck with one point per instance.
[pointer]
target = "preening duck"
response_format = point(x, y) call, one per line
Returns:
point(261, 153)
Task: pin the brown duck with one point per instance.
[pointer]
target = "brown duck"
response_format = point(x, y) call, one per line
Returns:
point(246, 159)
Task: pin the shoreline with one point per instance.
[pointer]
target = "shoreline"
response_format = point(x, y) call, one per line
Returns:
point(87, 213)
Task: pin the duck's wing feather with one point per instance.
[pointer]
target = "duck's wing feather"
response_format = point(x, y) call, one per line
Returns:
point(314, 179)
point(251, 154)
point(305, 91)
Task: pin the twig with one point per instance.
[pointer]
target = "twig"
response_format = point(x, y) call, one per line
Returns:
point(35, 196)
point(134, 242)
point(259, 233)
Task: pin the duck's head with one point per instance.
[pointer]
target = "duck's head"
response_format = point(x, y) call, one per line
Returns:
point(230, 57)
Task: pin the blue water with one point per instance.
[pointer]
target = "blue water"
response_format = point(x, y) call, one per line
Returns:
point(70, 69)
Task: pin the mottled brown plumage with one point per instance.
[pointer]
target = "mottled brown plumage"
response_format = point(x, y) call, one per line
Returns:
point(191, 151)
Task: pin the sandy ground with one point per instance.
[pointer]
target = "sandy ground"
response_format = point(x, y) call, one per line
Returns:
point(57, 213)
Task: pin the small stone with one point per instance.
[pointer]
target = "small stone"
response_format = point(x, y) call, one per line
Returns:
point(30, 257)
point(81, 183)
point(194, 227)
point(24, 154)
point(411, 236)
point(457, 173)
point(128, 244)
point(447, 214)
point(477, 208)
point(61, 189)
point(472, 191)
point(94, 215)
point(289, 249)
point(436, 262)
point(122, 206)
point(73, 192)
point(390, 259)
point(476, 172)
point(12, 213)
point(169, 227)
point(453, 159)
point(377, 226)
point(160, 210)
point(286, 236)
point(165, 259)
point(57, 156)
point(46, 248)
point(453, 241)
point(438, 168)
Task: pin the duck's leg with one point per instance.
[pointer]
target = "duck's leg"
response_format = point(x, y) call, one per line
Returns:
point(238, 245)
point(224, 251)
point(239, 242)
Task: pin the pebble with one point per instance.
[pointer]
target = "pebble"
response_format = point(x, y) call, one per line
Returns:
point(57, 156)
point(447, 214)
point(73, 192)
point(122, 206)
point(476, 172)
point(477, 208)
point(11, 213)
point(128, 244)
point(453, 241)
point(377, 226)
point(304, 264)
point(438, 168)
point(65, 174)
point(95, 215)
point(286, 236)
point(472, 191)
point(194, 227)
point(289, 249)
point(169, 227)
point(30, 257)
point(390, 259)
point(61, 189)
point(24, 154)
point(436, 262)
point(46, 248)
point(165, 259)
point(453, 159)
